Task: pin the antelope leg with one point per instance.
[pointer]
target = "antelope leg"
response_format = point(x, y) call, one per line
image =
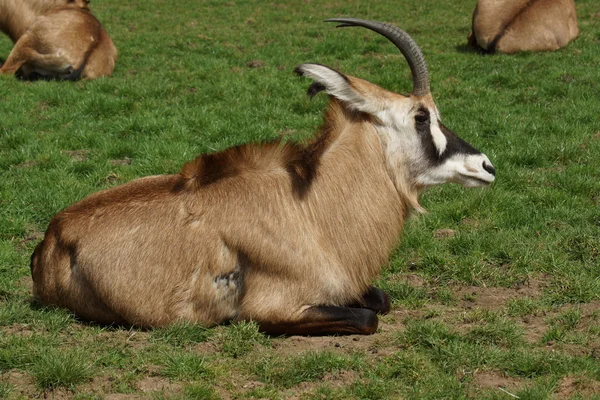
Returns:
point(374, 299)
point(326, 320)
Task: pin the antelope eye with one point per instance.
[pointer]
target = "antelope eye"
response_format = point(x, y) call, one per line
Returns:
point(422, 117)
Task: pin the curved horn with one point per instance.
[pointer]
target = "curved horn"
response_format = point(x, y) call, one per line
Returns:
point(402, 40)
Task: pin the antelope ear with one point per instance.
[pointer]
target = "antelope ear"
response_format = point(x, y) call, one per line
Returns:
point(336, 84)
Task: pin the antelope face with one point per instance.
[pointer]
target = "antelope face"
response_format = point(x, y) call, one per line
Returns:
point(437, 155)
point(414, 137)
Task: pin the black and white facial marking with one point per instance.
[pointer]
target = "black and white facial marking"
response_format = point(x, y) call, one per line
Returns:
point(448, 157)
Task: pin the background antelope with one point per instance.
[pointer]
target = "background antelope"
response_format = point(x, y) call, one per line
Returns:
point(55, 39)
point(510, 26)
point(286, 235)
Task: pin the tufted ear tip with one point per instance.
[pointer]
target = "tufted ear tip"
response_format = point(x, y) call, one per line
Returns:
point(298, 70)
point(315, 89)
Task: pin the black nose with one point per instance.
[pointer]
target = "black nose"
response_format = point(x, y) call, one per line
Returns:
point(489, 168)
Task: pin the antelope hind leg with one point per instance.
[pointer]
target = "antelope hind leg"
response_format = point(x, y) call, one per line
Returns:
point(14, 61)
point(24, 54)
point(322, 320)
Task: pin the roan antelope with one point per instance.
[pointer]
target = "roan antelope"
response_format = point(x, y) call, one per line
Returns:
point(290, 236)
point(510, 26)
point(58, 39)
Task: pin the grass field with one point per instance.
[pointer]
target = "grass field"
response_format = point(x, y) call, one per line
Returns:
point(496, 292)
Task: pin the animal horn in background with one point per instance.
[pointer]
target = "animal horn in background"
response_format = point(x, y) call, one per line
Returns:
point(402, 40)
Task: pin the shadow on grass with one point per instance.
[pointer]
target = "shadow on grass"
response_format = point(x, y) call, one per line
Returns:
point(470, 49)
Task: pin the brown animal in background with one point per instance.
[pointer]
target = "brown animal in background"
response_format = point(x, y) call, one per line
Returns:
point(288, 235)
point(510, 26)
point(18, 15)
point(55, 39)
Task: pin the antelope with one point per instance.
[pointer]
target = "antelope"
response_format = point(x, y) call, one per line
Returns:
point(287, 235)
point(510, 26)
point(58, 39)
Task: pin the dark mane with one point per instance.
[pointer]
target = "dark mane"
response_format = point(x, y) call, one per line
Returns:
point(301, 161)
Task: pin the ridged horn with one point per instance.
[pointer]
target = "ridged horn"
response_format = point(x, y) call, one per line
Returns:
point(402, 40)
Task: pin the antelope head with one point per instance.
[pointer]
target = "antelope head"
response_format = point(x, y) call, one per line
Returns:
point(419, 150)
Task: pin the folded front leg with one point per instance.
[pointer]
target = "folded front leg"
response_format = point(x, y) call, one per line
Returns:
point(325, 320)
point(374, 299)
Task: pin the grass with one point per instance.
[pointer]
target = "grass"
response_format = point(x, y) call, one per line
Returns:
point(181, 334)
point(185, 366)
point(308, 367)
point(241, 338)
point(511, 300)
point(55, 368)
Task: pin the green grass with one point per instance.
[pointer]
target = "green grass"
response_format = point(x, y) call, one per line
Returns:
point(241, 338)
point(186, 366)
point(514, 294)
point(309, 367)
point(181, 334)
point(55, 368)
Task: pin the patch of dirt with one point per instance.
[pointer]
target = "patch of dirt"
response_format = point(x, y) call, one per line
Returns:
point(298, 392)
point(295, 345)
point(27, 164)
point(32, 238)
point(26, 283)
point(118, 163)
point(574, 385)
point(495, 298)
point(21, 330)
point(566, 78)
point(533, 287)
point(209, 347)
point(112, 178)
point(341, 379)
point(587, 309)
point(157, 384)
point(570, 348)
point(78, 155)
point(534, 328)
point(255, 64)
point(130, 338)
point(444, 233)
point(23, 385)
point(413, 280)
point(470, 222)
point(250, 385)
point(98, 385)
point(496, 379)
point(336, 380)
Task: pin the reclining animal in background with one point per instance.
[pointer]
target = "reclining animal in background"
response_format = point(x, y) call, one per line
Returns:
point(58, 39)
point(290, 236)
point(510, 26)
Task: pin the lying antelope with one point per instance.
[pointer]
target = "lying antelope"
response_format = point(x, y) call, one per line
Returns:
point(289, 236)
point(510, 26)
point(55, 39)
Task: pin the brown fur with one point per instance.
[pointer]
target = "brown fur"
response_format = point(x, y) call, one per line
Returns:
point(298, 225)
point(510, 26)
point(18, 15)
point(55, 39)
